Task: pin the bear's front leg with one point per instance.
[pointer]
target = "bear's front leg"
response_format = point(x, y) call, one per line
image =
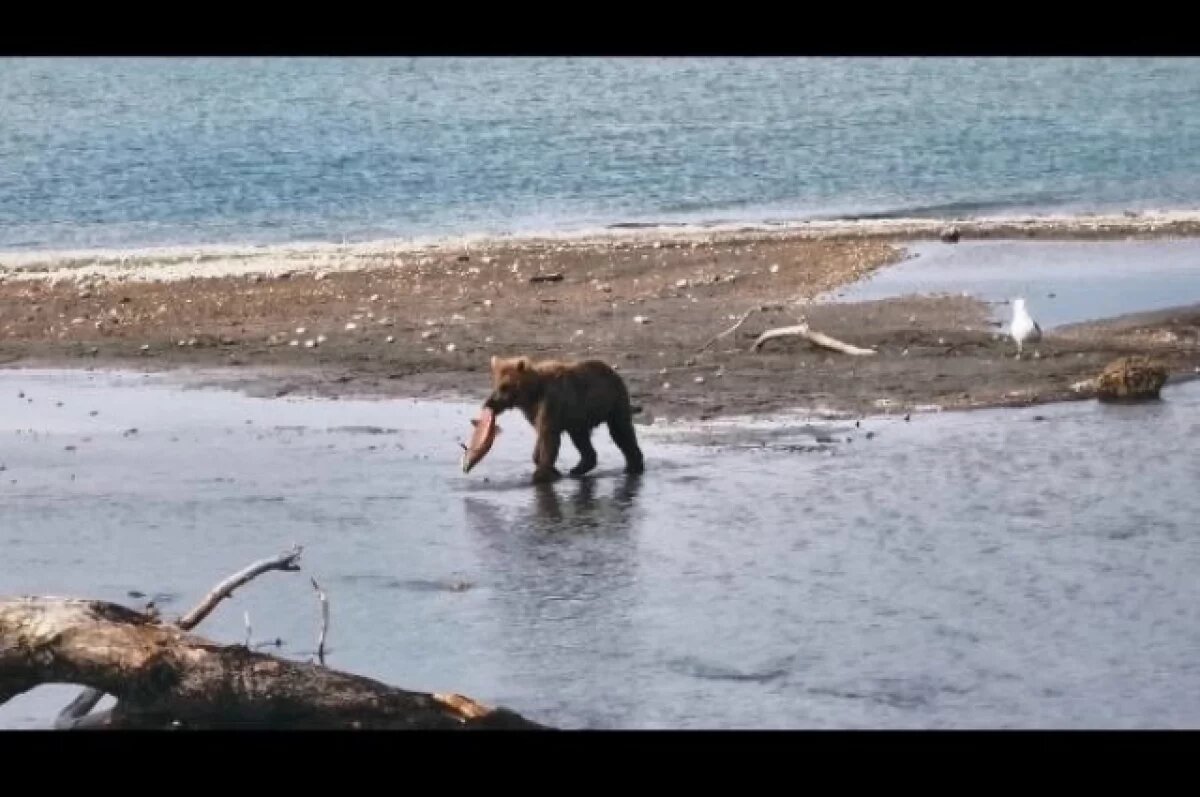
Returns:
point(545, 454)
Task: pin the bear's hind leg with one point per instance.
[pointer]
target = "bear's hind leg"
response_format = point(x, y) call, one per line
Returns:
point(587, 453)
point(620, 427)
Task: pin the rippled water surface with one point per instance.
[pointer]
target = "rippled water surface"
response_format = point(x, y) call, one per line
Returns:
point(1023, 568)
point(118, 152)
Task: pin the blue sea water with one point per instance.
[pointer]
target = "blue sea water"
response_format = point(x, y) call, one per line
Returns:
point(107, 152)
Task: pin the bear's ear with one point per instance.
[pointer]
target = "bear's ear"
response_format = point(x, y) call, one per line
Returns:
point(523, 364)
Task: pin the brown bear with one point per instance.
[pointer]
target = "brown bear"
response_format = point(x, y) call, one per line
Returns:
point(571, 397)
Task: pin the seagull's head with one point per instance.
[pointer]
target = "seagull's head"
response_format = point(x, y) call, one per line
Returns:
point(1019, 303)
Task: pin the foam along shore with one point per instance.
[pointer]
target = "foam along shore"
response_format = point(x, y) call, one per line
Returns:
point(224, 260)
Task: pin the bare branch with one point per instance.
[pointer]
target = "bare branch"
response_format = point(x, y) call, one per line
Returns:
point(285, 561)
point(324, 621)
point(75, 712)
point(762, 308)
point(99, 720)
point(816, 338)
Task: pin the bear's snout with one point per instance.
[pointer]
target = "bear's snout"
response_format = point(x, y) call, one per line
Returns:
point(497, 403)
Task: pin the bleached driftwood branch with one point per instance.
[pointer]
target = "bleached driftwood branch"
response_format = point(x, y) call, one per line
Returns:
point(761, 308)
point(801, 329)
point(163, 676)
point(814, 337)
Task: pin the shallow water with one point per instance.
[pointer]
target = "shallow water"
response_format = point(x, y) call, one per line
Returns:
point(984, 569)
point(1063, 281)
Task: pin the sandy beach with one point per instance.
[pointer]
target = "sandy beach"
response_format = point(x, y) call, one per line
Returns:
point(422, 319)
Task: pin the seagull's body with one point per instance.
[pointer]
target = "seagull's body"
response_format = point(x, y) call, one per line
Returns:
point(1023, 328)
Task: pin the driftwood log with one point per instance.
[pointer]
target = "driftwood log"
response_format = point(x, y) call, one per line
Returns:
point(163, 676)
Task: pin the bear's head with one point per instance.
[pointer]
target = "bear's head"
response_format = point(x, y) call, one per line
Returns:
point(514, 384)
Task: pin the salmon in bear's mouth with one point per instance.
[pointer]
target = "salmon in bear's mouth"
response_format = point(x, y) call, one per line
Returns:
point(481, 440)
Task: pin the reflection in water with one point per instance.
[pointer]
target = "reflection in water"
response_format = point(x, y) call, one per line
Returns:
point(564, 572)
point(585, 511)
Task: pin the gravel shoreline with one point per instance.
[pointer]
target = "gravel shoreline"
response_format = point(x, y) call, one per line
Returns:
point(382, 319)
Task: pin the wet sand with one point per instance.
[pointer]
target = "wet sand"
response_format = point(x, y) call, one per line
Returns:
point(422, 321)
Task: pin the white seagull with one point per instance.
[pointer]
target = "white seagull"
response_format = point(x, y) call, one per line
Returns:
point(1023, 328)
